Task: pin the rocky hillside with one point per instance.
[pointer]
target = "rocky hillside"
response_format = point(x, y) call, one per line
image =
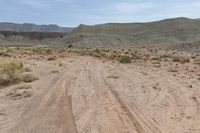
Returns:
point(165, 33)
point(29, 36)
point(32, 28)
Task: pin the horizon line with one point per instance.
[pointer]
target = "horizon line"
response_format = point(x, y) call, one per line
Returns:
point(64, 26)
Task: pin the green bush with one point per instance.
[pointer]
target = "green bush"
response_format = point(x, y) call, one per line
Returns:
point(70, 46)
point(124, 59)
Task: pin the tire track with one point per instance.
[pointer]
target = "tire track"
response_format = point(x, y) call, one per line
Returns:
point(101, 104)
point(138, 122)
point(180, 97)
point(49, 111)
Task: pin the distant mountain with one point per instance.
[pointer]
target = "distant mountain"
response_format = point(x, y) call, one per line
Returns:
point(26, 27)
point(166, 32)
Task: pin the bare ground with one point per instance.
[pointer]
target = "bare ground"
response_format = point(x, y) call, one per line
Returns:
point(88, 95)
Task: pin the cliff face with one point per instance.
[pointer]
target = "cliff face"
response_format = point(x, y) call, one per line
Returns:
point(32, 35)
point(32, 28)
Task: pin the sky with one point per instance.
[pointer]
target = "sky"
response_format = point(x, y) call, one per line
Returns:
point(90, 12)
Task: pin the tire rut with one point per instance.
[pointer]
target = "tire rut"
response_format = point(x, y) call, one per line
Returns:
point(138, 122)
point(51, 112)
point(96, 113)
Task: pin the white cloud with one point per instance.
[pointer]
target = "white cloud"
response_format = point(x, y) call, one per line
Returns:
point(43, 4)
point(120, 12)
point(34, 3)
point(129, 8)
point(62, 1)
point(183, 10)
point(99, 11)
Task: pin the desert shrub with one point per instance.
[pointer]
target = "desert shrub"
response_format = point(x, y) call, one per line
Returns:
point(18, 48)
point(126, 52)
point(4, 53)
point(10, 71)
point(23, 87)
point(124, 59)
point(28, 77)
point(173, 70)
point(103, 55)
point(55, 71)
point(115, 51)
point(197, 61)
point(146, 57)
point(112, 56)
point(165, 56)
point(113, 77)
point(90, 53)
point(193, 57)
point(51, 58)
point(26, 69)
point(83, 53)
point(155, 58)
point(36, 50)
point(135, 56)
point(60, 64)
point(19, 94)
point(96, 55)
point(70, 46)
point(49, 51)
point(4, 81)
point(181, 59)
point(97, 50)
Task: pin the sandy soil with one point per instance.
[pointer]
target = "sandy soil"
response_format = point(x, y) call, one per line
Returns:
point(88, 95)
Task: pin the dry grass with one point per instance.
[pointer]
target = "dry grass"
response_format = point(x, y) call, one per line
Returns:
point(23, 87)
point(55, 71)
point(19, 94)
point(113, 77)
point(197, 61)
point(28, 77)
point(181, 59)
point(51, 58)
point(20, 91)
point(27, 69)
point(9, 71)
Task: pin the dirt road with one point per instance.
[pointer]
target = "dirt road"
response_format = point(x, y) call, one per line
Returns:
point(92, 96)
